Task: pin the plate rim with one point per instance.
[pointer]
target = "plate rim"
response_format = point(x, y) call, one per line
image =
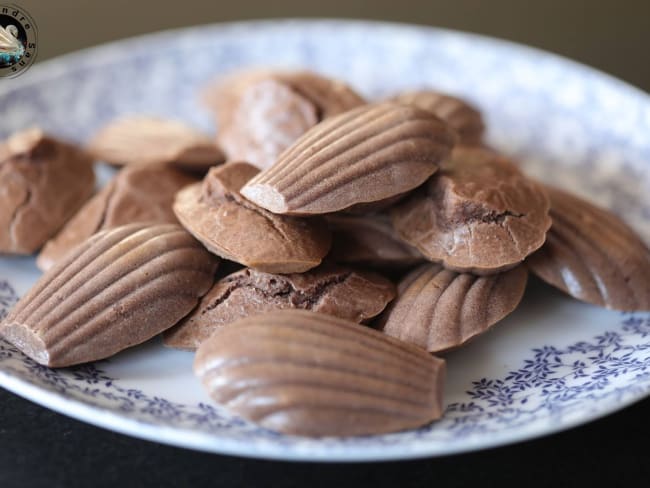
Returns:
point(106, 418)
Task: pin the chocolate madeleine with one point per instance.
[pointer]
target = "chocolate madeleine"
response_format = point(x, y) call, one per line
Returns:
point(262, 112)
point(369, 241)
point(593, 256)
point(365, 155)
point(439, 309)
point(465, 119)
point(236, 229)
point(117, 289)
point(141, 139)
point(479, 214)
point(136, 194)
point(311, 374)
point(334, 290)
point(43, 182)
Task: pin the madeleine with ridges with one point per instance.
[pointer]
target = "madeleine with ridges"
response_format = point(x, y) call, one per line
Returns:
point(311, 374)
point(593, 256)
point(365, 155)
point(439, 309)
point(115, 290)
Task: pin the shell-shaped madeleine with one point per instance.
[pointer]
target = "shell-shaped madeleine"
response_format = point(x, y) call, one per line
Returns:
point(236, 229)
point(117, 289)
point(141, 193)
point(440, 309)
point(478, 214)
point(334, 290)
point(593, 256)
point(465, 119)
point(364, 155)
point(140, 139)
point(312, 374)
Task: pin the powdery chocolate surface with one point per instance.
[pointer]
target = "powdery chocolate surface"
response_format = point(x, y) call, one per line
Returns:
point(43, 182)
point(478, 214)
point(333, 290)
point(117, 289)
point(141, 139)
point(464, 118)
point(262, 112)
point(364, 155)
point(135, 194)
point(593, 256)
point(311, 374)
point(369, 241)
point(439, 309)
point(236, 229)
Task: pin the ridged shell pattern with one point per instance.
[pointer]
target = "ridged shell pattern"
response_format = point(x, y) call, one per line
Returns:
point(440, 309)
point(364, 155)
point(593, 256)
point(460, 115)
point(117, 289)
point(311, 374)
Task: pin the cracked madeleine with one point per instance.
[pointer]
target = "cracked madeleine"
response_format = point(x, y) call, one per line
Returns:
point(332, 290)
point(43, 182)
point(236, 229)
point(478, 214)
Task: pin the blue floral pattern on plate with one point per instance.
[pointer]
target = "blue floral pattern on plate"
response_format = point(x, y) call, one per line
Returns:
point(567, 124)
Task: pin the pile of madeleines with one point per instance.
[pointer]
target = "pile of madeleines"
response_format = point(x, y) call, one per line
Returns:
point(316, 254)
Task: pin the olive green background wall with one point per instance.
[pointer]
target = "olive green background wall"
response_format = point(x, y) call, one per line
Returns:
point(612, 36)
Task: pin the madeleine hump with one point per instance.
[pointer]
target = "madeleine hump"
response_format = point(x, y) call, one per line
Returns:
point(593, 256)
point(236, 229)
point(43, 182)
point(261, 112)
point(478, 214)
point(440, 309)
point(365, 155)
point(310, 374)
point(334, 290)
point(117, 289)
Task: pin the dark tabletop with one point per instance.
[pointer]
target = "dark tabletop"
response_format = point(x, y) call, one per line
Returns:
point(41, 448)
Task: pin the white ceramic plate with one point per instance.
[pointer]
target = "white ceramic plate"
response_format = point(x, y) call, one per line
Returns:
point(552, 364)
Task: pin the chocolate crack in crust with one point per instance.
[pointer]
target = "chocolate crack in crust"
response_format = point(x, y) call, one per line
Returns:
point(135, 194)
point(142, 140)
point(113, 291)
point(369, 241)
point(333, 290)
point(479, 214)
point(364, 155)
point(262, 112)
point(465, 119)
point(593, 256)
point(43, 182)
point(311, 374)
point(236, 229)
point(440, 309)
